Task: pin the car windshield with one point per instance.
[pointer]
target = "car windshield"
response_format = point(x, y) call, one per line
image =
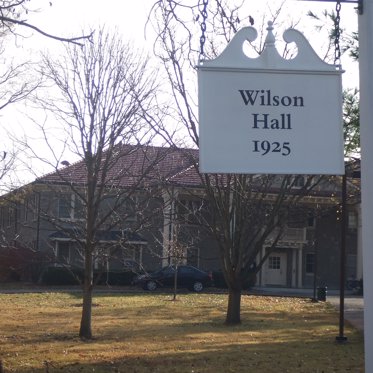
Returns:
point(167, 270)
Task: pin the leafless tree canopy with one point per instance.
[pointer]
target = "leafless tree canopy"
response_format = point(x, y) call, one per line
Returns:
point(244, 209)
point(99, 94)
point(13, 14)
point(103, 90)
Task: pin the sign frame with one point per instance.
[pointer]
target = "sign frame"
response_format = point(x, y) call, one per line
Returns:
point(270, 115)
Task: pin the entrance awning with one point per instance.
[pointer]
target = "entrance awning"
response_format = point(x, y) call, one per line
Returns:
point(110, 236)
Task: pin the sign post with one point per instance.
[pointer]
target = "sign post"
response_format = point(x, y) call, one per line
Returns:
point(262, 116)
point(366, 135)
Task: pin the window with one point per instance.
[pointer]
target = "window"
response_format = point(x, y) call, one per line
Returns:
point(64, 207)
point(193, 256)
point(70, 206)
point(188, 209)
point(10, 216)
point(129, 209)
point(120, 206)
point(63, 252)
point(352, 220)
point(25, 209)
point(78, 211)
point(128, 258)
point(35, 205)
point(274, 262)
point(311, 221)
point(299, 182)
point(134, 252)
point(310, 263)
point(351, 264)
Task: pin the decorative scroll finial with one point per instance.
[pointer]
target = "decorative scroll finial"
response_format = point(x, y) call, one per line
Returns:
point(233, 56)
point(270, 39)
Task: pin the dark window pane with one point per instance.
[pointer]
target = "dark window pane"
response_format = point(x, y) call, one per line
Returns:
point(310, 263)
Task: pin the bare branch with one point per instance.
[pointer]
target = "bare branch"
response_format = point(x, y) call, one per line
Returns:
point(74, 40)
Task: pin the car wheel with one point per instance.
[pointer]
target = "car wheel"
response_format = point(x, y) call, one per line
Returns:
point(197, 286)
point(151, 285)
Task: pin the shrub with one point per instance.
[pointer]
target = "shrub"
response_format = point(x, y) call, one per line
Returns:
point(123, 278)
point(21, 264)
point(248, 279)
point(61, 276)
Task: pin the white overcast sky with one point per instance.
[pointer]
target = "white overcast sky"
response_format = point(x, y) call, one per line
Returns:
point(69, 17)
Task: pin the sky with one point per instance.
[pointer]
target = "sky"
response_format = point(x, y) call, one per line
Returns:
point(69, 17)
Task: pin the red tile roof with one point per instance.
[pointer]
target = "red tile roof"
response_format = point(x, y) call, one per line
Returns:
point(130, 164)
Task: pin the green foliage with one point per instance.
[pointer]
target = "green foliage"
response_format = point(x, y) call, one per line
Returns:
point(351, 121)
point(351, 45)
point(348, 44)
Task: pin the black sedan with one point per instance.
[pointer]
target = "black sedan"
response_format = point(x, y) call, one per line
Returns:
point(188, 277)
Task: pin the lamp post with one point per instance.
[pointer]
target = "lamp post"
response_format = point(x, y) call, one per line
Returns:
point(341, 338)
point(365, 9)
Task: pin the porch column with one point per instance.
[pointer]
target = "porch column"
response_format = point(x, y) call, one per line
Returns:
point(167, 227)
point(300, 267)
point(294, 269)
point(359, 253)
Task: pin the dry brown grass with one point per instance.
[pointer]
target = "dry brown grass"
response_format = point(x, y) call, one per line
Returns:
point(149, 333)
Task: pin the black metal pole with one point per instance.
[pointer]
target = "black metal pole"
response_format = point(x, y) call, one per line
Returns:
point(341, 338)
point(315, 273)
point(358, 2)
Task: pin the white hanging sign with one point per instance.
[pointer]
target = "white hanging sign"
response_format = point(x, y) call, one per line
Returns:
point(270, 115)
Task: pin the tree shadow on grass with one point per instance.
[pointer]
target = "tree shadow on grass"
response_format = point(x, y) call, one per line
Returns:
point(147, 337)
point(150, 323)
point(268, 357)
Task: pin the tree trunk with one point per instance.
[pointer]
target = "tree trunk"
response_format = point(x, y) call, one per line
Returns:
point(85, 331)
point(234, 307)
point(175, 284)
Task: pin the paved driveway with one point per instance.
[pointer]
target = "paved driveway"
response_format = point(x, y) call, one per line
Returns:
point(353, 304)
point(353, 309)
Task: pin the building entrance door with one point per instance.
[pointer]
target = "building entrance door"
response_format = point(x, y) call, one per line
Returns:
point(276, 269)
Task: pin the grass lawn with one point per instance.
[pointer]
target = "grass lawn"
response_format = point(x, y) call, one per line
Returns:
point(149, 333)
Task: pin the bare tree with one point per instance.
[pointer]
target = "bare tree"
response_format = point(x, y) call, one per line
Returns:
point(13, 14)
point(16, 84)
point(98, 93)
point(244, 211)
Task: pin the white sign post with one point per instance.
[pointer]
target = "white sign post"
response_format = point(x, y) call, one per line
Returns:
point(366, 132)
point(270, 115)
